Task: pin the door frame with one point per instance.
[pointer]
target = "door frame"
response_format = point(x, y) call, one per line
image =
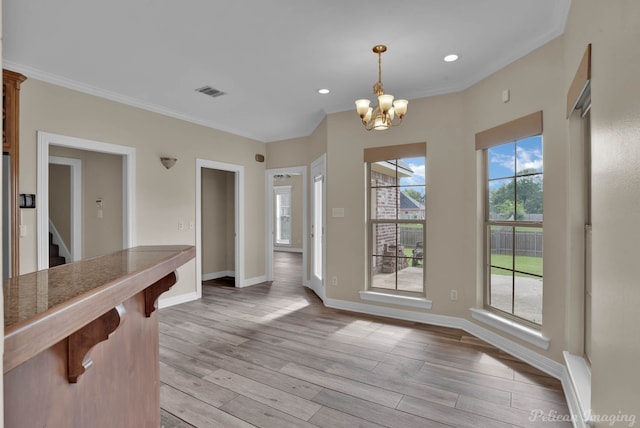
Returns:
point(46, 139)
point(320, 164)
point(75, 168)
point(270, 219)
point(238, 178)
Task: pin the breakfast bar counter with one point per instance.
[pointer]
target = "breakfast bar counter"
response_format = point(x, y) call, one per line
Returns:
point(81, 340)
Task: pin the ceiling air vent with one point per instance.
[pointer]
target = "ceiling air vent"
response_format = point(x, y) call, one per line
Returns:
point(208, 90)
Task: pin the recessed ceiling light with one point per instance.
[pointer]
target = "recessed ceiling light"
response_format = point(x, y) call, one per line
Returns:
point(323, 91)
point(451, 58)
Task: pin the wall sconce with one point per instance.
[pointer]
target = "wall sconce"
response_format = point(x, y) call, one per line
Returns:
point(168, 162)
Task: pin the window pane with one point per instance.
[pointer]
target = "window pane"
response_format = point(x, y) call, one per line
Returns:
point(411, 171)
point(411, 238)
point(528, 250)
point(529, 195)
point(383, 174)
point(501, 286)
point(501, 240)
point(528, 298)
point(283, 213)
point(385, 203)
point(502, 200)
point(384, 238)
point(529, 155)
point(502, 161)
point(383, 273)
point(411, 277)
point(411, 201)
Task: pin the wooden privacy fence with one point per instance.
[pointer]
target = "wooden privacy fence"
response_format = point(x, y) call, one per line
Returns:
point(410, 236)
point(528, 243)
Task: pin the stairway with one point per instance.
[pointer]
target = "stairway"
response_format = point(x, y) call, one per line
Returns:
point(55, 259)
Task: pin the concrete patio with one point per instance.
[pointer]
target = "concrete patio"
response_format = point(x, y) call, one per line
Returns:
point(528, 291)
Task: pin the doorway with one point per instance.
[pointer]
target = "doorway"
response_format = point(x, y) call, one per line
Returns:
point(65, 206)
point(219, 222)
point(218, 225)
point(286, 220)
point(123, 199)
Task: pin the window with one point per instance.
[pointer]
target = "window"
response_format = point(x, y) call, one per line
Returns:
point(283, 214)
point(396, 221)
point(513, 232)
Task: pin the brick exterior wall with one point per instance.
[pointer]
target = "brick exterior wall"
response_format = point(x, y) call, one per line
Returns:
point(386, 203)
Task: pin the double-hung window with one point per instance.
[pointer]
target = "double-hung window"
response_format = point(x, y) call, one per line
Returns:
point(396, 218)
point(514, 222)
point(283, 214)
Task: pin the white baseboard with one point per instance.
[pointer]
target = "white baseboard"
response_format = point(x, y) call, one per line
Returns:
point(176, 300)
point(523, 353)
point(570, 394)
point(216, 275)
point(578, 382)
point(252, 281)
point(287, 249)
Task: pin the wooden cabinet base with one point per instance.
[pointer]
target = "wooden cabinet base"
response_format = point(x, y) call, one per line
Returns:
point(120, 390)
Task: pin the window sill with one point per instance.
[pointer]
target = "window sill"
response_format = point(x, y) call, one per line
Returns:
point(511, 327)
point(394, 299)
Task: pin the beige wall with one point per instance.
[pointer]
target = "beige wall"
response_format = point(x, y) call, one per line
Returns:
point(613, 30)
point(218, 217)
point(101, 179)
point(60, 201)
point(295, 181)
point(164, 197)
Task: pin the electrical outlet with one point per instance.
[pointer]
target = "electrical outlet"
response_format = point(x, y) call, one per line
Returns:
point(334, 280)
point(180, 225)
point(191, 225)
point(454, 295)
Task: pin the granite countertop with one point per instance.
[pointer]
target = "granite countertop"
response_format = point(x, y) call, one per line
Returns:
point(52, 302)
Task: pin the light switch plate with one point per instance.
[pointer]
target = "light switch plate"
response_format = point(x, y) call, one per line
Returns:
point(337, 212)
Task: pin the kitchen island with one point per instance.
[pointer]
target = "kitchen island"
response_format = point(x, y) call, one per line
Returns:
point(81, 340)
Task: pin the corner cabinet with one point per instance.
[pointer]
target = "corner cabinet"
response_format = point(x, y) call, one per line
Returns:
point(11, 82)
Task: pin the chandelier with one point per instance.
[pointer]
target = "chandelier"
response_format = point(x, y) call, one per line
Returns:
point(387, 110)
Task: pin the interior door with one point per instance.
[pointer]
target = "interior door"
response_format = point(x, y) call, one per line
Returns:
point(318, 226)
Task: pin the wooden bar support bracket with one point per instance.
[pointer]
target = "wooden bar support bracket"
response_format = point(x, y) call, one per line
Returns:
point(152, 292)
point(82, 341)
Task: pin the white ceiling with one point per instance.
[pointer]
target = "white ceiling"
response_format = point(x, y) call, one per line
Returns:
point(269, 56)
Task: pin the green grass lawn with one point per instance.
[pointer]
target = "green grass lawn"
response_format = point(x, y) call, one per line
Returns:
point(532, 265)
point(528, 264)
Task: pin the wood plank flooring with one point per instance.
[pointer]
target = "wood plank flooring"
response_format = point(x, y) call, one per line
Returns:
point(272, 355)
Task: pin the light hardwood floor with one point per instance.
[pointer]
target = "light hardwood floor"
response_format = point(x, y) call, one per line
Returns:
point(272, 355)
